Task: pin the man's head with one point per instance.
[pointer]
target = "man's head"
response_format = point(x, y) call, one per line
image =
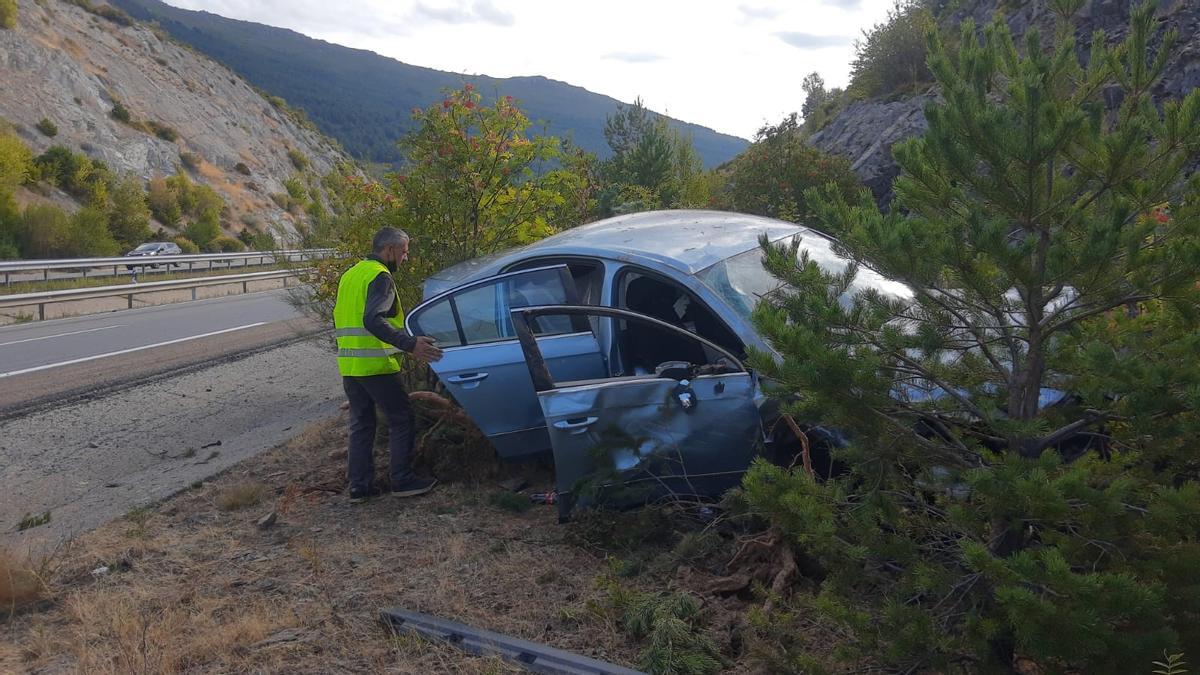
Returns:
point(391, 246)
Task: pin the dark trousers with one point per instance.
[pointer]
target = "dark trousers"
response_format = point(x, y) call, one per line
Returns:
point(364, 394)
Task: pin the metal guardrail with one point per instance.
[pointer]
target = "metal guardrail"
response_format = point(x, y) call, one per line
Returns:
point(128, 291)
point(10, 267)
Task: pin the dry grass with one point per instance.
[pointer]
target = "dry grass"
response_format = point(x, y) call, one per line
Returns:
point(194, 588)
point(22, 580)
point(240, 496)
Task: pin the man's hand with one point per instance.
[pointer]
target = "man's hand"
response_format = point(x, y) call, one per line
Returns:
point(425, 350)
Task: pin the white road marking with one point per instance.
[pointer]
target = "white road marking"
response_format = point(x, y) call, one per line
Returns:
point(130, 350)
point(47, 337)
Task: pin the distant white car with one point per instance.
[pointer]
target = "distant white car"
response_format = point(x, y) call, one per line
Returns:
point(154, 248)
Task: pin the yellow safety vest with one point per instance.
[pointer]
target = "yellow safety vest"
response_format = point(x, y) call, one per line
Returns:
point(359, 352)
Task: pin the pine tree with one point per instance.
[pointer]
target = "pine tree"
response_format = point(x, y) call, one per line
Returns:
point(1048, 245)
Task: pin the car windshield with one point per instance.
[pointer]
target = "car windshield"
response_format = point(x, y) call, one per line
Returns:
point(147, 247)
point(742, 280)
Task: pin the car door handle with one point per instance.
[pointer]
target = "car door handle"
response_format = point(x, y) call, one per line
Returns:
point(577, 425)
point(469, 380)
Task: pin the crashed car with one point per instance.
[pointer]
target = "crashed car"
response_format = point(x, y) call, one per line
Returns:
point(619, 346)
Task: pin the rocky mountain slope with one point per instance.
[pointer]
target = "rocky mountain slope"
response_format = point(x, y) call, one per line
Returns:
point(865, 131)
point(363, 99)
point(72, 67)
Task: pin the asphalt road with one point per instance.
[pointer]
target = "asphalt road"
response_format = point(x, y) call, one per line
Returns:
point(45, 360)
point(102, 413)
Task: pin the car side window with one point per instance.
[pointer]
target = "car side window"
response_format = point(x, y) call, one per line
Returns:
point(481, 313)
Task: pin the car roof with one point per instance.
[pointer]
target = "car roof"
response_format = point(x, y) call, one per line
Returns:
point(687, 240)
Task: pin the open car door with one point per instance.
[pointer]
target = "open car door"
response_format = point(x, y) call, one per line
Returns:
point(688, 429)
point(484, 368)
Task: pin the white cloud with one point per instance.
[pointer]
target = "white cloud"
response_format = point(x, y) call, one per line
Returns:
point(729, 66)
point(809, 41)
point(634, 57)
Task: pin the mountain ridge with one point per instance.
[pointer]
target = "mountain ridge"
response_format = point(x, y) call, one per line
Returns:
point(184, 111)
point(318, 76)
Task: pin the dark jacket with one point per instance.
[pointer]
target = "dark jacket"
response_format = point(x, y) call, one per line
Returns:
point(382, 304)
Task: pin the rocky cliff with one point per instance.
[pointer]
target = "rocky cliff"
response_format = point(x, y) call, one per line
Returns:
point(72, 67)
point(865, 131)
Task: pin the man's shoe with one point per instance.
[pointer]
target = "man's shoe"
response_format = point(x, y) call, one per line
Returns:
point(358, 497)
point(413, 487)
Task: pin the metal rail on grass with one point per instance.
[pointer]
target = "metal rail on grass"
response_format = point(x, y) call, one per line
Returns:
point(128, 291)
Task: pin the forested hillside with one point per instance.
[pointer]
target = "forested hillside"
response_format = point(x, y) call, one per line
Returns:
point(364, 99)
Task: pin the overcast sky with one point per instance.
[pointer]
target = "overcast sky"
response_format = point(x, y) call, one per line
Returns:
point(729, 65)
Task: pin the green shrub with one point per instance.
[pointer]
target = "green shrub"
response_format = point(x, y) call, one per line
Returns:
point(891, 56)
point(81, 176)
point(89, 236)
point(263, 241)
point(8, 14)
point(241, 168)
point(48, 128)
point(43, 231)
point(162, 131)
point(298, 159)
point(128, 212)
point(225, 245)
point(204, 229)
point(113, 14)
point(164, 202)
point(297, 191)
point(186, 245)
point(190, 160)
point(120, 112)
point(770, 177)
point(108, 12)
point(16, 161)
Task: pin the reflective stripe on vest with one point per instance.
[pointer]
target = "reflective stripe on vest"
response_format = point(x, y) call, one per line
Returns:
point(361, 354)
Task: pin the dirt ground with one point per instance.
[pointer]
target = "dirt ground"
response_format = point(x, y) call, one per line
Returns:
point(195, 585)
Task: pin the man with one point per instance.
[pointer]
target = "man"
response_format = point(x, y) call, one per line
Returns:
point(369, 323)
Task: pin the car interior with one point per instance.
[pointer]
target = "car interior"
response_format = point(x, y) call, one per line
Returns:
point(644, 348)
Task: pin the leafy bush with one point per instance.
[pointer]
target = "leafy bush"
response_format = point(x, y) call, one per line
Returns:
point(225, 245)
point(8, 14)
point(43, 231)
point(186, 245)
point(891, 56)
point(48, 128)
point(108, 12)
point(162, 131)
point(263, 241)
point(190, 160)
point(204, 229)
point(89, 236)
point(771, 176)
point(164, 202)
point(298, 159)
point(984, 517)
point(121, 113)
point(81, 176)
point(129, 212)
point(15, 160)
point(296, 189)
point(241, 168)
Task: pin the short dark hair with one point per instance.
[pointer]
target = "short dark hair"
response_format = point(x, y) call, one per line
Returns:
point(388, 236)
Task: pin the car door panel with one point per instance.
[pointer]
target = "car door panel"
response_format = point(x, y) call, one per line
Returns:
point(483, 367)
point(491, 382)
point(687, 429)
point(632, 441)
